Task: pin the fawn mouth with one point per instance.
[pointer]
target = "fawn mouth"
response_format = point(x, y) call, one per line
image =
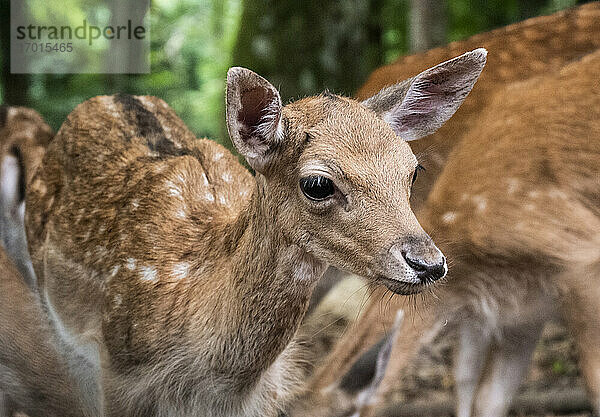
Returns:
point(401, 287)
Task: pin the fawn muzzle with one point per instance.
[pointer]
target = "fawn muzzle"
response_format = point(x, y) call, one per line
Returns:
point(413, 262)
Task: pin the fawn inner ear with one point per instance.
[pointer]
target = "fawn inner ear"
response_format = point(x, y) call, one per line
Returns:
point(254, 115)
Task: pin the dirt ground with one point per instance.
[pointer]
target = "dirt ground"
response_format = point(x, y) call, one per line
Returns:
point(553, 386)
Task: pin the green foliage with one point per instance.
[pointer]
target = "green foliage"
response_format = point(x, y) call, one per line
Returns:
point(303, 47)
point(191, 44)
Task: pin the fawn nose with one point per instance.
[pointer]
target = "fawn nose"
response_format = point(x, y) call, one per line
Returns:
point(422, 256)
point(427, 271)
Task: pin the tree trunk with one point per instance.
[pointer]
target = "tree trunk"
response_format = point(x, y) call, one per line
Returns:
point(428, 24)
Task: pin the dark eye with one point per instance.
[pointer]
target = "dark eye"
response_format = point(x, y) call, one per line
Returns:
point(417, 169)
point(317, 187)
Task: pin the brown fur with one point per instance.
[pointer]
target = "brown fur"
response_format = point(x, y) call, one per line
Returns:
point(180, 276)
point(24, 136)
point(516, 210)
point(33, 376)
point(516, 52)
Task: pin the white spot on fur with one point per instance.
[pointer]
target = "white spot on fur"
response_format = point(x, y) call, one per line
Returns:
point(209, 197)
point(173, 189)
point(181, 213)
point(217, 156)
point(12, 112)
point(533, 194)
point(227, 177)
point(223, 200)
point(146, 102)
point(449, 217)
point(148, 273)
point(204, 179)
point(480, 203)
point(110, 105)
point(115, 270)
point(513, 185)
point(101, 251)
point(557, 193)
point(135, 203)
point(180, 270)
point(131, 264)
point(117, 300)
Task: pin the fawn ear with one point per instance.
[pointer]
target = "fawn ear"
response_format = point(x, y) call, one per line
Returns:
point(419, 106)
point(253, 109)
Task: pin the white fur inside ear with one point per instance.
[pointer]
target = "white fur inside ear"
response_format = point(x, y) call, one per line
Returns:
point(254, 113)
point(419, 106)
point(270, 125)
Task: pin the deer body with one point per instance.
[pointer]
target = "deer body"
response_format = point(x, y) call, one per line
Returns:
point(182, 278)
point(527, 245)
point(24, 136)
point(516, 208)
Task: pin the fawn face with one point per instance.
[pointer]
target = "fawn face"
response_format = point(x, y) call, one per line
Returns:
point(340, 171)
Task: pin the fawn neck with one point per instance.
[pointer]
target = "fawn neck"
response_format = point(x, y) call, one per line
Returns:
point(272, 279)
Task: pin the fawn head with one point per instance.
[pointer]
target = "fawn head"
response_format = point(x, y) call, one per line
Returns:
point(340, 172)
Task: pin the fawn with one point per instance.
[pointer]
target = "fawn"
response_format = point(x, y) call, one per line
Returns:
point(516, 211)
point(181, 278)
point(517, 52)
point(24, 136)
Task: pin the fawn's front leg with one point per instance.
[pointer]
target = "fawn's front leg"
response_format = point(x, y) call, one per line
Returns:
point(420, 326)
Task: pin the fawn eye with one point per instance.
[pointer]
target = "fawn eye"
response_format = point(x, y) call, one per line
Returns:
point(317, 187)
point(417, 169)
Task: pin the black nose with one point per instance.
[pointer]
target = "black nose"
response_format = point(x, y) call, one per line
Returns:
point(426, 271)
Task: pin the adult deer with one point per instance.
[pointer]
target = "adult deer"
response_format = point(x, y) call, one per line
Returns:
point(24, 136)
point(517, 207)
point(184, 278)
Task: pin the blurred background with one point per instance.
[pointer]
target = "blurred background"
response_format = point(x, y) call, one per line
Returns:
point(302, 47)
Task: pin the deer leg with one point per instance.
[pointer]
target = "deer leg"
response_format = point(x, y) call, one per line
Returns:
point(416, 331)
point(581, 307)
point(508, 363)
point(470, 357)
point(363, 334)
